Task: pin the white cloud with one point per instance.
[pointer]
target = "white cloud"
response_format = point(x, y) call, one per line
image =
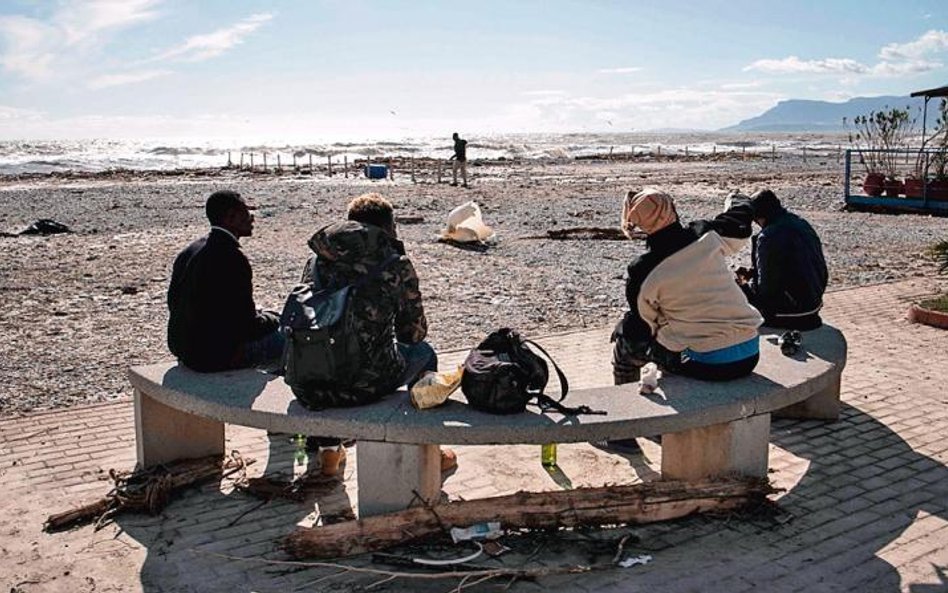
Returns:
point(16, 113)
point(29, 48)
point(626, 70)
point(898, 69)
point(110, 80)
point(38, 50)
point(670, 108)
point(738, 86)
point(543, 93)
point(83, 20)
point(793, 64)
point(896, 60)
point(929, 43)
point(209, 45)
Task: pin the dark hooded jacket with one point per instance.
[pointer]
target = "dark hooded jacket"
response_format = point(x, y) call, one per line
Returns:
point(790, 273)
point(385, 309)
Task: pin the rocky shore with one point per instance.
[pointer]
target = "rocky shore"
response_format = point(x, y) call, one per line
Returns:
point(79, 308)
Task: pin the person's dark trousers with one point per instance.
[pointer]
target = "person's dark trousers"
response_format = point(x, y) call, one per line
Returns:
point(418, 357)
point(264, 352)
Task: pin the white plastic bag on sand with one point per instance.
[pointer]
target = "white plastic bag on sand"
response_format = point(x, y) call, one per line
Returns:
point(465, 225)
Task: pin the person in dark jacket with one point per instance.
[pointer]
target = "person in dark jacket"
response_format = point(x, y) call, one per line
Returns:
point(789, 275)
point(213, 323)
point(389, 317)
point(459, 159)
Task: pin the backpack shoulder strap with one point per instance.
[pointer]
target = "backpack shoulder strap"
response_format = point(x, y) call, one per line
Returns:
point(564, 384)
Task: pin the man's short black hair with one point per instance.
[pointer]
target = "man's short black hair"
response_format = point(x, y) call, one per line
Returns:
point(220, 203)
point(372, 209)
point(765, 204)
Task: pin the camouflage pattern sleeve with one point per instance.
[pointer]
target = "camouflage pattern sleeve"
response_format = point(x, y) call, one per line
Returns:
point(411, 326)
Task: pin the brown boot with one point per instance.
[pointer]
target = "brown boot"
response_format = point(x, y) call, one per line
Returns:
point(331, 459)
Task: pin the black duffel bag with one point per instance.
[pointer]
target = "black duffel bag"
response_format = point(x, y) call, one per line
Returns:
point(502, 375)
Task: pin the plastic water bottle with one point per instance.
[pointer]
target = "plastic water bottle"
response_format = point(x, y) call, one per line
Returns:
point(548, 455)
point(300, 456)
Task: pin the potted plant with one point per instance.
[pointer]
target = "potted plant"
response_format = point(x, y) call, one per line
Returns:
point(877, 137)
point(930, 164)
point(933, 311)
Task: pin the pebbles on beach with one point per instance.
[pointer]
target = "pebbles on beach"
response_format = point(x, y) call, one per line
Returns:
point(78, 309)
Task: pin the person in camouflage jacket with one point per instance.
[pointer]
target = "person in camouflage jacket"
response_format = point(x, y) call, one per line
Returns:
point(388, 313)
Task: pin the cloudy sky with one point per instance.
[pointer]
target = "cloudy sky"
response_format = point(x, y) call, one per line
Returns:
point(320, 69)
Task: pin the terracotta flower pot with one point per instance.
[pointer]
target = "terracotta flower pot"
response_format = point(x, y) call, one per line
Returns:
point(914, 188)
point(874, 184)
point(918, 314)
point(938, 189)
point(893, 187)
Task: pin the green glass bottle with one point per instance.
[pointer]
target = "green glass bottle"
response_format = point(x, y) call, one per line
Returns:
point(548, 455)
point(300, 455)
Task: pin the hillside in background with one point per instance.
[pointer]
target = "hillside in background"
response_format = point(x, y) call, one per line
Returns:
point(799, 115)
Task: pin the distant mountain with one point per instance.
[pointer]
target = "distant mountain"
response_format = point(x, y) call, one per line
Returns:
point(799, 115)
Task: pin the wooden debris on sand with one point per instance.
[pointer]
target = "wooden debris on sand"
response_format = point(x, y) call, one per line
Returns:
point(609, 505)
point(149, 490)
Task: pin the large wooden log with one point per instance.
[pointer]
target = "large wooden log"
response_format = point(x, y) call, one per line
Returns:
point(608, 505)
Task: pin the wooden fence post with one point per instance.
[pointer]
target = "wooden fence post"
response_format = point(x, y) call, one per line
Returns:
point(391, 170)
point(264, 162)
point(329, 160)
point(440, 166)
point(241, 161)
point(251, 161)
point(413, 169)
point(345, 164)
point(279, 165)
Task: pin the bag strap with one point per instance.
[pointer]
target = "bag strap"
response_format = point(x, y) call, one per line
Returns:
point(545, 402)
point(564, 384)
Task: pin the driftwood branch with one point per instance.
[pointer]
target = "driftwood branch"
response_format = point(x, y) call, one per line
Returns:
point(640, 503)
point(149, 490)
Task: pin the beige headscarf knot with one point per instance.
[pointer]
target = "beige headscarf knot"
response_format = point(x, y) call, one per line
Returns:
point(650, 210)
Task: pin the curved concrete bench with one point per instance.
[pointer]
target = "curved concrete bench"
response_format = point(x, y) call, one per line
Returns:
point(709, 428)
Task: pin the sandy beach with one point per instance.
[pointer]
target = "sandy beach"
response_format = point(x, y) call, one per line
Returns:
point(78, 309)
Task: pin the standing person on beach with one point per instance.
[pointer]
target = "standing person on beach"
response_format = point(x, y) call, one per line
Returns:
point(687, 313)
point(388, 316)
point(789, 275)
point(459, 159)
point(213, 323)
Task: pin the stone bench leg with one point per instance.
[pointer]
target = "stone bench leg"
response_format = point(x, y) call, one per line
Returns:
point(389, 474)
point(732, 447)
point(163, 434)
point(823, 405)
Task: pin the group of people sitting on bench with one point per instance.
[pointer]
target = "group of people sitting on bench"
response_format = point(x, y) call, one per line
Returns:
point(689, 313)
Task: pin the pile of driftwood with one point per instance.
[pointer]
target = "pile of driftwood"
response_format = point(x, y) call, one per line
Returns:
point(609, 505)
point(149, 490)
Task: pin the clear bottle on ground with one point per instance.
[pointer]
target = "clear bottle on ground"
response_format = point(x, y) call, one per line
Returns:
point(548, 455)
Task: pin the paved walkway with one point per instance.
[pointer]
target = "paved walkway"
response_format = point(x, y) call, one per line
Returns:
point(866, 507)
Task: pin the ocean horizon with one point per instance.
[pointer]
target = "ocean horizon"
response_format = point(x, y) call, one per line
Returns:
point(95, 155)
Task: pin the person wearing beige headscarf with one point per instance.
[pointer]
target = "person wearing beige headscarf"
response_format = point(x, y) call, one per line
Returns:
point(687, 314)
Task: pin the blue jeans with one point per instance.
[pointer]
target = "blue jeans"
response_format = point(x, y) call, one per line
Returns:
point(419, 358)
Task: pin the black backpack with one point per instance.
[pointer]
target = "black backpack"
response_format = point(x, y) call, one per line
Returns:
point(323, 357)
point(502, 375)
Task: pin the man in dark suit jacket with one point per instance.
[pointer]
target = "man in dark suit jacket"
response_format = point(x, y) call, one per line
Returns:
point(213, 323)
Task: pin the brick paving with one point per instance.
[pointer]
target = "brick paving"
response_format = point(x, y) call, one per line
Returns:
point(866, 507)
